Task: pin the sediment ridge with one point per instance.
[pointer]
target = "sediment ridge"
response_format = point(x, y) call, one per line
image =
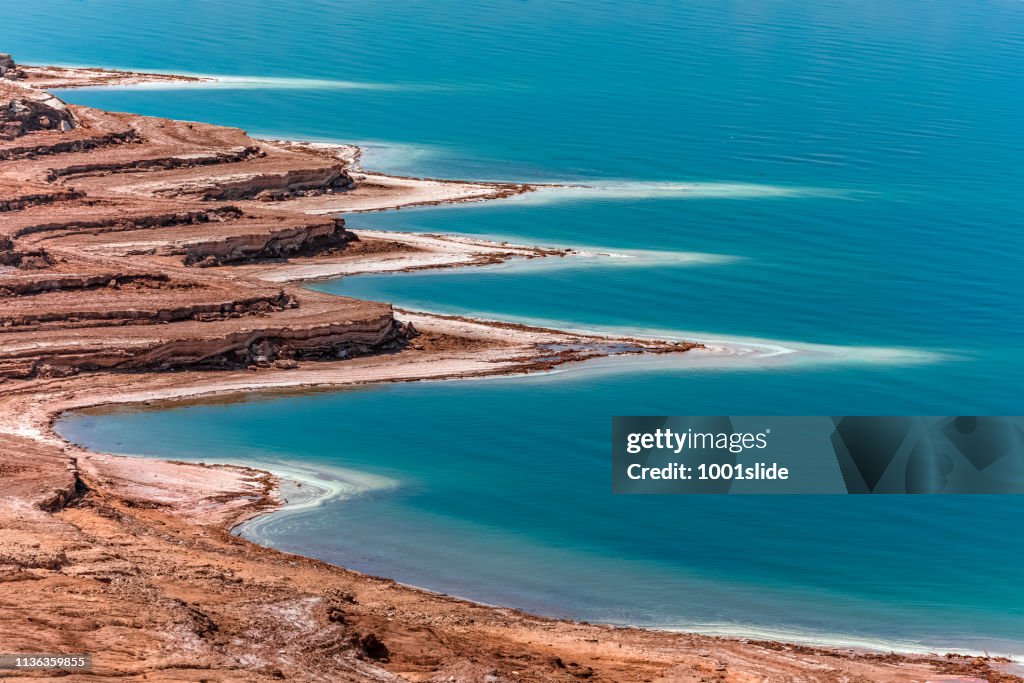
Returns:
point(145, 259)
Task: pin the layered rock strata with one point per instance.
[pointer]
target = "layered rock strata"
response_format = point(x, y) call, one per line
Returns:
point(115, 230)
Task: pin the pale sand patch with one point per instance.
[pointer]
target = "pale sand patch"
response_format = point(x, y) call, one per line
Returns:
point(423, 251)
point(60, 77)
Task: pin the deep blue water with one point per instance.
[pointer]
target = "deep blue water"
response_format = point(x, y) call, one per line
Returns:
point(860, 165)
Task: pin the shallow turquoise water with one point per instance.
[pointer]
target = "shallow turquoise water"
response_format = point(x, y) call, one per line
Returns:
point(878, 149)
point(500, 491)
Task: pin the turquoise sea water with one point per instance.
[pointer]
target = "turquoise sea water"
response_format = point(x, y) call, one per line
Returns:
point(856, 163)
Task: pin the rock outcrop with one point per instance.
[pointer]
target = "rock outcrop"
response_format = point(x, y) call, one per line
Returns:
point(117, 242)
point(8, 69)
point(25, 110)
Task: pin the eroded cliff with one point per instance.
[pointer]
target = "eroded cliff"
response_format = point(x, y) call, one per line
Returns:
point(116, 234)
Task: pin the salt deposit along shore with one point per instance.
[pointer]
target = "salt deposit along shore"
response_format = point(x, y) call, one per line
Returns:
point(145, 260)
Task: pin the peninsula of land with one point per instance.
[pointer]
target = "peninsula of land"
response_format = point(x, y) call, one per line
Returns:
point(145, 259)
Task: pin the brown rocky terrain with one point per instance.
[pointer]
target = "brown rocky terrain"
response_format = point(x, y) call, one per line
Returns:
point(144, 259)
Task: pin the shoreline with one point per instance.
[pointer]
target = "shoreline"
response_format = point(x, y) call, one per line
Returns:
point(954, 664)
point(185, 498)
point(823, 640)
point(315, 476)
point(829, 640)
